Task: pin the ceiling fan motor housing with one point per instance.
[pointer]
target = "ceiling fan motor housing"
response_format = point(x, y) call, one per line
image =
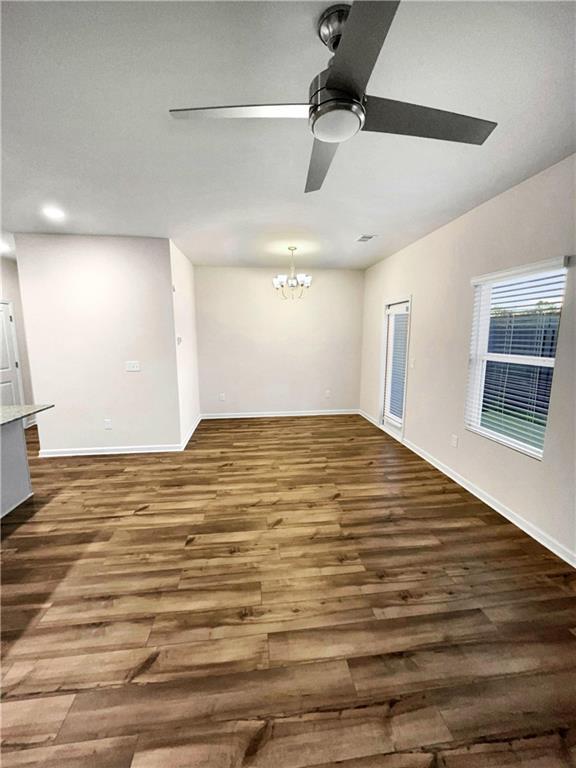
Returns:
point(331, 25)
point(335, 116)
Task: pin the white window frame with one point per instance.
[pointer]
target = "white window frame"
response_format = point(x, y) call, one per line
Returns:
point(479, 355)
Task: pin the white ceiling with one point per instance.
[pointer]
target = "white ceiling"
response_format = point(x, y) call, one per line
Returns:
point(87, 88)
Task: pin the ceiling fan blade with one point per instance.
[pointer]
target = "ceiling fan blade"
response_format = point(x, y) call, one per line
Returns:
point(322, 155)
point(246, 111)
point(364, 34)
point(388, 116)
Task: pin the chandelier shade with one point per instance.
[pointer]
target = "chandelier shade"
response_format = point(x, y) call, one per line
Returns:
point(292, 285)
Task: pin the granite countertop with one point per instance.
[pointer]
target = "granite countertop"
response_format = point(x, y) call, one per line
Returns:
point(10, 413)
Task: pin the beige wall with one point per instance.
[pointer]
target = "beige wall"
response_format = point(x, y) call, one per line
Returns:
point(90, 304)
point(531, 222)
point(186, 344)
point(10, 291)
point(274, 356)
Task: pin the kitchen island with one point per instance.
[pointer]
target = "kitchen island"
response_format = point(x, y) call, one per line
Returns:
point(15, 474)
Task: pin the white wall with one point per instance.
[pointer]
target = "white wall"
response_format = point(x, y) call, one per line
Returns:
point(186, 344)
point(10, 291)
point(274, 356)
point(531, 222)
point(90, 304)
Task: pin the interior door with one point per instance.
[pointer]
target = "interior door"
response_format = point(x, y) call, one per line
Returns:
point(10, 389)
point(397, 327)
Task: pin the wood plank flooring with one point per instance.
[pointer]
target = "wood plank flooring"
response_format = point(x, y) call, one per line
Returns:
point(285, 593)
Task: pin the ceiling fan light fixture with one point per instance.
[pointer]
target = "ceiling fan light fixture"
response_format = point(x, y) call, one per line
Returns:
point(337, 120)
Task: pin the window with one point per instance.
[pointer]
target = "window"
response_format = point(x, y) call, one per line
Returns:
point(398, 316)
point(514, 334)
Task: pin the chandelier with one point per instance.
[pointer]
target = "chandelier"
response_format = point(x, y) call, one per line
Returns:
point(292, 286)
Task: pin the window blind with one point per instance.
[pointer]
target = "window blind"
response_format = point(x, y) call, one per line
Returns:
point(513, 347)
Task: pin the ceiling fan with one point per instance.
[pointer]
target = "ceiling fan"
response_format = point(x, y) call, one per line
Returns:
point(338, 106)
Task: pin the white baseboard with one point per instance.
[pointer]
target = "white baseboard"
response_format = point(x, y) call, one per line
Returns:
point(105, 450)
point(532, 530)
point(369, 418)
point(275, 414)
point(396, 434)
point(15, 506)
point(191, 431)
point(114, 450)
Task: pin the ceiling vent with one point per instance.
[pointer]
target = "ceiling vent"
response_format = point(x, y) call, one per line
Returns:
point(365, 238)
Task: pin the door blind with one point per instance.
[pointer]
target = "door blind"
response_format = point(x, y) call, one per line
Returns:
point(396, 354)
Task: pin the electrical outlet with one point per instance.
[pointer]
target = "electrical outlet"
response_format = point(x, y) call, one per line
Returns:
point(222, 396)
point(107, 423)
point(327, 394)
point(454, 441)
point(132, 366)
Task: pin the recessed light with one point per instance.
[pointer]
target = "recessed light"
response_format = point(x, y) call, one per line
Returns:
point(365, 238)
point(53, 213)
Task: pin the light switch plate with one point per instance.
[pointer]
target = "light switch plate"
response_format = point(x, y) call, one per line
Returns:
point(133, 366)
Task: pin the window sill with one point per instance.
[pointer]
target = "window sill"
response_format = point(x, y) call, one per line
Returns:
point(527, 450)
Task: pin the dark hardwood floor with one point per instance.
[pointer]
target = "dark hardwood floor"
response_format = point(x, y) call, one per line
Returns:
point(285, 593)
